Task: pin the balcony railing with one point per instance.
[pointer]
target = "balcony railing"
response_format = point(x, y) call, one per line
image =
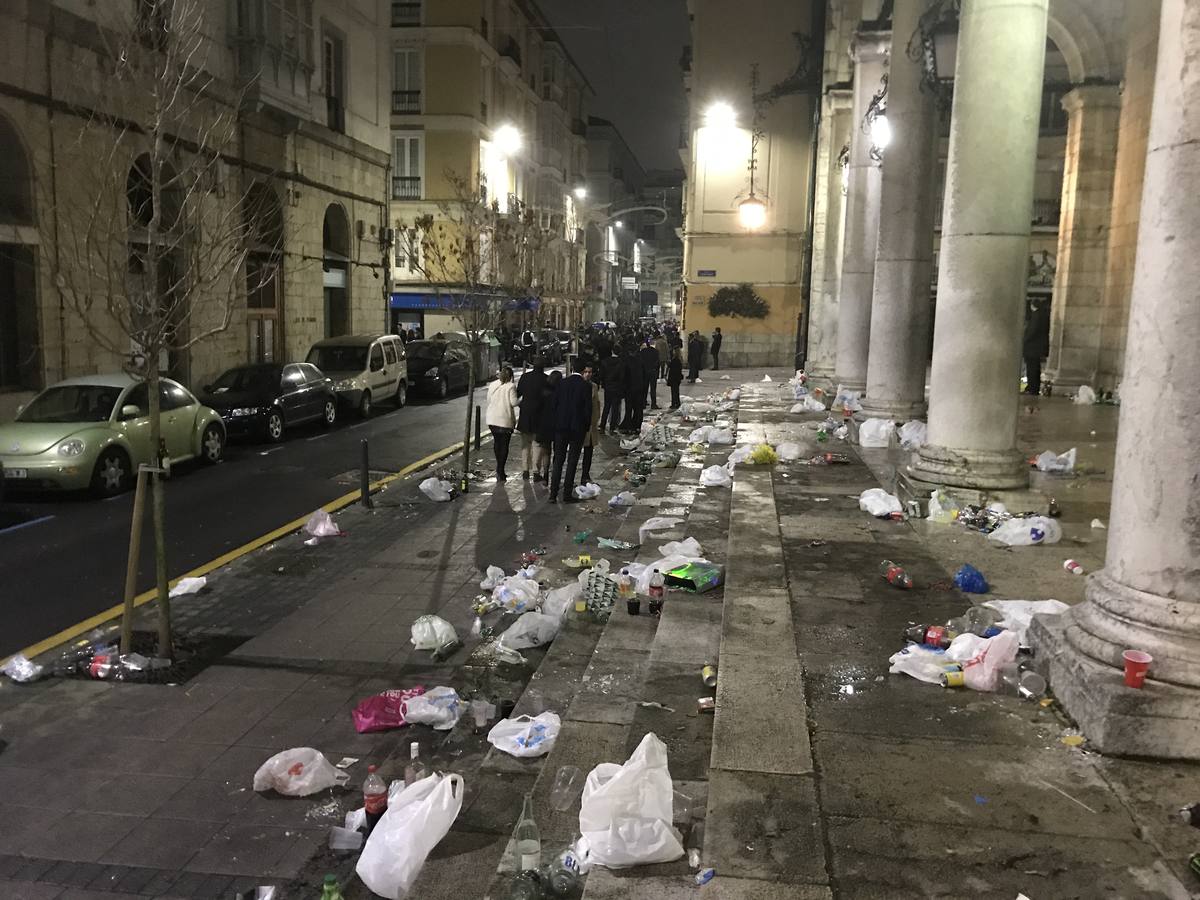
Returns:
point(406, 187)
point(335, 114)
point(406, 102)
point(406, 14)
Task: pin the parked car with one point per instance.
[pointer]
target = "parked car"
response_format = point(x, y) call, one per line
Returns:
point(264, 400)
point(550, 348)
point(94, 432)
point(439, 367)
point(365, 368)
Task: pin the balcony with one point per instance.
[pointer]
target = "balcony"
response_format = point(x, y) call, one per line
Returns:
point(406, 14)
point(406, 103)
point(579, 127)
point(406, 187)
point(512, 50)
point(335, 114)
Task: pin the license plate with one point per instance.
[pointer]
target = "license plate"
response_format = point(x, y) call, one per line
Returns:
point(15, 473)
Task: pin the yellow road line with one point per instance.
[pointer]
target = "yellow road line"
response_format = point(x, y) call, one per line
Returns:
point(226, 558)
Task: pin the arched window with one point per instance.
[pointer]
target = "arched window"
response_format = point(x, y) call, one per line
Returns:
point(263, 217)
point(20, 358)
point(335, 265)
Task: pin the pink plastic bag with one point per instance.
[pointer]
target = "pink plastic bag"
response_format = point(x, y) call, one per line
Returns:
point(383, 711)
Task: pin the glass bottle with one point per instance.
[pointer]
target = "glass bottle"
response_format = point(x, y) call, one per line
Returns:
point(528, 839)
point(415, 770)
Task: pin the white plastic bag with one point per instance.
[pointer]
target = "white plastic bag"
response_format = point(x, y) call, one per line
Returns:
point(700, 435)
point(739, 455)
point(187, 586)
point(847, 399)
point(716, 476)
point(876, 433)
point(982, 672)
point(656, 523)
point(809, 404)
point(943, 508)
point(430, 632)
point(1027, 531)
point(438, 707)
point(623, 499)
point(1085, 396)
point(435, 489)
point(626, 811)
point(919, 661)
point(518, 594)
point(416, 820)
point(689, 547)
point(298, 772)
point(720, 436)
point(1018, 614)
point(320, 524)
point(22, 669)
point(560, 600)
point(767, 378)
point(1052, 462)
point(630, 443)
point(842, 432)
point(526, 736)
point(735, 394)
point(913, 434)
point(587, 491)
point(787, 451)
point(878, 502)
point(494, 576)
point(531, 630)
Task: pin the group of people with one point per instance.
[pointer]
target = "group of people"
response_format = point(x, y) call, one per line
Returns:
point(408, 335)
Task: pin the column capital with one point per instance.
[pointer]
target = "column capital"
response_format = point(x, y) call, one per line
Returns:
point(839, 99)
point(1092, 96)
point(870, 46)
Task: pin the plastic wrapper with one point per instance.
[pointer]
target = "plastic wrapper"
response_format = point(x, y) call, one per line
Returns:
point(1026, 531)
point(879, 503)
point(1017, 615)
point(656, 523)
point(716, 476)
point(492, 579)
point(1056, 463)
point(1085, 396)
point(22, 669)
point(436, 489)
point(720, 436)
point(971, 580)
point(587, 491)
point(876, 433)
point(517, 594)
point(320, 524)
point(788, 452)
point(623, 499)
point(438, 707)
point(913, 434)
point(430, 632)
point(526, 736)
point(383, 711)
point(298, 772)
point(532, 629)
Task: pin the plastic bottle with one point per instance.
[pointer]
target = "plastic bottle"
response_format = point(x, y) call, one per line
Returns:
point(895, 575)
point(626, 591)
point(658, 592)
point(415, 770)
point(1073, 567)
point(930, 635)
point(562, 876)
point(375, 797)
point(527, 886)
point(330, 890)
point(528, 838)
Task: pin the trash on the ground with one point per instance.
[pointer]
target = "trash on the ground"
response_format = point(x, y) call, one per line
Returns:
point(623, 499)
point(767, 378)
point(879, 503)
point(560, 600)
point(344, 839)
point(532, 629)
point(1191, 815)
point(492, 579)
point(568, 783)
point(982, 671)
point(436, 489)
point(630, 443)
point(614, 544)
point(581, 537)
point(817, 542)
point(517, 594)
point(696, 577)
point(688, 547)
point(913, 434)
point(1025, 531)
point(448, 649)
point(841, 432)
point(1096, 523)
point(1072, 739)
point(720, 436)
point(430, 632)
point(764, 455)
point(1056, 463)
point(708, 675)
point(1073, 567)
point(416, 820)
point(1137, 664)
point(738, 455)
point(261, 892)
point(529, 573)
point(895, 575)
point(1025, 683)
point(383, 711)
point(716, 476)
point(876, 433)
point(587, 491)
point(1085, 396)
point(346, 762)
point(656, 523)
point(654, 704)
point(22, 669)
point(706, 704)
point(846, 399)
point(808, 405)
point(922, 662)
point(298, 772)
point(725, 378)
point(526, 736)
point(626, 811)
point(320, 524)
point(788, 451)
point(971, 580)
point(1017, 615)
point(439, 707)
point(600, 593)
point(579, 561)
point(185, 586)
point(943, 508)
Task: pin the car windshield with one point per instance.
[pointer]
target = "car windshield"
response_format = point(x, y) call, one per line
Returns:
point(72, 403)
point(250, 380)
point(338, 359)
point(425, 350)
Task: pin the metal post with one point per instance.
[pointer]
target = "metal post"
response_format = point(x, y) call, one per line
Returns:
point(364, 478)
point(135, 552)
point(477, 432)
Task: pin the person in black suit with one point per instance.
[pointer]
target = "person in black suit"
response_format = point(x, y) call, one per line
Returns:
point(675, 377)
point(695, 356)
point(545, 426)
point(1035, 344)
point(635, 390)
point(714, 347)
point(572, 419)
point(612, 380)
point(529, 390)
point(648, 356)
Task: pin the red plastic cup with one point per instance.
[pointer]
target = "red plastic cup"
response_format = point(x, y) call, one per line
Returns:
point(1137, 663)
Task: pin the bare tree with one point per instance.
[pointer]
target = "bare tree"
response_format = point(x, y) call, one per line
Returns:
point(154, 225)
point(478, 260)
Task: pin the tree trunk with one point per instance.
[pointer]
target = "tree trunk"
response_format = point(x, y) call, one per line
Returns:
point(158, 507)
point(466, 451)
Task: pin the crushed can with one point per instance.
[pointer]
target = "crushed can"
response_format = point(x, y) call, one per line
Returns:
point(709, 676)
point(706, 704)
point(953, 677)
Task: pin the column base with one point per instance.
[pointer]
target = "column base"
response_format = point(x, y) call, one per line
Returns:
point(850, 384)
point(1160, 720)
point(897, 411)
point(909, 488)
point(984, 470)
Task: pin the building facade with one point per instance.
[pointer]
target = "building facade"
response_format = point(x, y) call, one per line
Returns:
point(311, 145)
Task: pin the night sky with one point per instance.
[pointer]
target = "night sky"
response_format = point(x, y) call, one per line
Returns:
point(629, 50)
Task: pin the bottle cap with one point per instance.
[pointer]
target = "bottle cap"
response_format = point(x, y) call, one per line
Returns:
point(372, 768)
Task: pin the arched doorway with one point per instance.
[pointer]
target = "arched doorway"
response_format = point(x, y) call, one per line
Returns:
point(263, 216)
point(335, 266)
point(20, 356)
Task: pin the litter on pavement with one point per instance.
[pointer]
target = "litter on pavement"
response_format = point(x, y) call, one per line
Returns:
point(437, 489)
point(298, 772)
point(185, 586)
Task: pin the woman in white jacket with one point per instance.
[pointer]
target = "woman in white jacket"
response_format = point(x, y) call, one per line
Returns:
point(502, 417)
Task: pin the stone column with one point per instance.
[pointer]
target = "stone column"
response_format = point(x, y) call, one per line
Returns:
point(985, 248)
point(870, 49)
point(828, 222)
point(899, 347)
point(1148, 595)
point(1078, 306)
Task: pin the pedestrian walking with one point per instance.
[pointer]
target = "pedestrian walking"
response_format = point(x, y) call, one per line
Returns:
point(545, 426)
point(649, 359)
point(502, 417)
point(714, 347)
point(529, 390)
point(664, 354)
point(572, 407)
point(675, 377)
point(593, 434)
point(695, 353)
point(635, 391)
point(1035, 345)
point(612, 380)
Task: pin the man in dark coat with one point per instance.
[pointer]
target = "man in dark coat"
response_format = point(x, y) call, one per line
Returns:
point(1036, 343)
point(529, 389)
point(648, 356)
point(612, 380)
point(675, 377)
point(714, 347)
point(635, 390)
point(572, 419)
point(695, 356)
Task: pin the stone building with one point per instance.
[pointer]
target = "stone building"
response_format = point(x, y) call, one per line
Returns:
point(484, 92)
point(311, 145)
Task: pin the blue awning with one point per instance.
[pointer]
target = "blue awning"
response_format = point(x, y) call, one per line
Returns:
point(422, 301)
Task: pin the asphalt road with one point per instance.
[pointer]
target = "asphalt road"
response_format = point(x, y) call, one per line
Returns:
point(62, 558)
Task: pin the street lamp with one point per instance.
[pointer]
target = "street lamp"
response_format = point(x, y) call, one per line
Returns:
point(752, 212)
point(720, 115)
point(508, 140)
point(619, 224)
point(581, 192)
point(881, 132)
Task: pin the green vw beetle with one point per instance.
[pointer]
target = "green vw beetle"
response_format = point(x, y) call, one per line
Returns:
point(93, 432)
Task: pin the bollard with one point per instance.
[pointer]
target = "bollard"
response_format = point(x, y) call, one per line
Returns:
point(364, 478)
point(476, 427)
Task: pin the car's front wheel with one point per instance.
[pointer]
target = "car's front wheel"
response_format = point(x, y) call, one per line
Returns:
point(330, 414)
point(401, 395)
point(112, 473)
point(364, 405)
point(274, 426)
point(212, 444)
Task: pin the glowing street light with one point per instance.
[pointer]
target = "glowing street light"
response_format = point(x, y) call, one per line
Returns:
point(619, 224)
point(881, 132)
point(508, 140)
point(720, 115)
point(581, 192)
point(752, 212)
